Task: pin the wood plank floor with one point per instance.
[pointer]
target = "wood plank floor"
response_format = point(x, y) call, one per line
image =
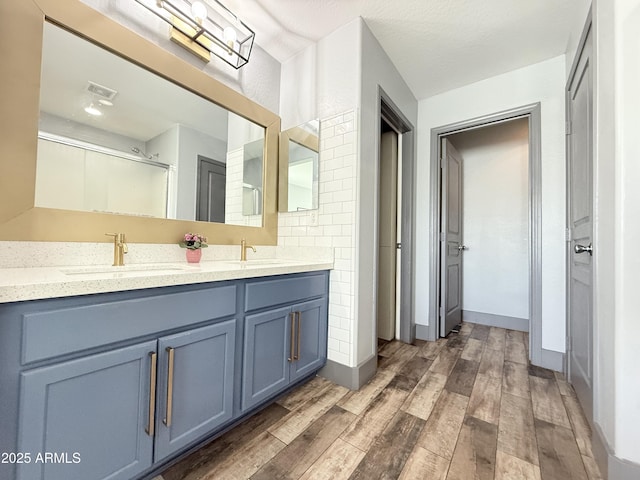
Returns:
point(465, 407)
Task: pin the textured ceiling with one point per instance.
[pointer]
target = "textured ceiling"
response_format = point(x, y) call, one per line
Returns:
point(436, 45)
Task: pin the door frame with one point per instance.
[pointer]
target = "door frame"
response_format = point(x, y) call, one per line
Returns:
point(532, 112)
point(406, 143)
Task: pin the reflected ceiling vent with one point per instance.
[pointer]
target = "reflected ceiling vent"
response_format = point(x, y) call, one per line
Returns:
point(101, 91)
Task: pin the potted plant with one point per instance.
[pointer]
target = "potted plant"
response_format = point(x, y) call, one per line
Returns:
point(194, 243)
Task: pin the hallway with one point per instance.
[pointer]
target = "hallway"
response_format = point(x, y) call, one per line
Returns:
point(460, 408)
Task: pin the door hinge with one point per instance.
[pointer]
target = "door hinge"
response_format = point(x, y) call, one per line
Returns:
point(442, 236)
point(440, 162)
point(568, 128)
point(568, 346)
point(442, 311)
point(567, 234)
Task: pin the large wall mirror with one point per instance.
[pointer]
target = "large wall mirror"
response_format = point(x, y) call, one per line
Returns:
point(299, 167)
point(126, 137)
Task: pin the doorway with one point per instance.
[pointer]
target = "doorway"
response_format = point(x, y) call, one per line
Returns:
point(484, 218)
point(532, 113)
point(394, 279)
point(388, 238)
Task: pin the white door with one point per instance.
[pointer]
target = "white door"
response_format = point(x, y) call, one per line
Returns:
point(580, 334)
point(451, 247)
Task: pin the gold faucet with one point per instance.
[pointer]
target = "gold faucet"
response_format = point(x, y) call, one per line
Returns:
point(243, 250)
point(119, 248)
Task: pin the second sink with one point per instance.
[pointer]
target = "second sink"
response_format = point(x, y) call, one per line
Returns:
point(124, 269)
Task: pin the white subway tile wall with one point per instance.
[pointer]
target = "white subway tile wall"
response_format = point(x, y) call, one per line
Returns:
point(336, 227)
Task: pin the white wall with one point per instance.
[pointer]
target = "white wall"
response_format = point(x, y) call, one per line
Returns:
point(298, 75)
point(543, 82)
point(322, 81)
point(627, 230)
point(495, 218)
point(604, 368)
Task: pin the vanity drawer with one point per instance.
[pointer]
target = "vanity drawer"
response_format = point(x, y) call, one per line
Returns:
point(69, 329)
point(267, 293)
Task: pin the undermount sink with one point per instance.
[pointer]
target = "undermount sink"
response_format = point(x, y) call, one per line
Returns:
point(125, 269)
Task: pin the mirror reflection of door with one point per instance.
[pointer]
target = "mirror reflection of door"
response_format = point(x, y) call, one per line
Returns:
point(212, 181)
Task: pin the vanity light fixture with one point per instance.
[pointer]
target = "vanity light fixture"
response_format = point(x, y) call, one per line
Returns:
point(205, 28)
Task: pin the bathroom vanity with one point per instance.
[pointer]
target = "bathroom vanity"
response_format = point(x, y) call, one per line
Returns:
point(118, 384)
point(115, 373)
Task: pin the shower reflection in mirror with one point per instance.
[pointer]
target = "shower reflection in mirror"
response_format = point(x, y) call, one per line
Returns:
point(117, 138)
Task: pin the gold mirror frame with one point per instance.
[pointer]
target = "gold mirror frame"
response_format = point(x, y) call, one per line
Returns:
point(21, 30)
point(301, 137)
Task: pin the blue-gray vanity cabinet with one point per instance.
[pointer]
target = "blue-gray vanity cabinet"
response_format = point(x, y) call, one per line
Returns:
point(195, 385)
point(311, 338)
point(267, 337)
point(118, 385)
point(282, 346)
point(93, 411)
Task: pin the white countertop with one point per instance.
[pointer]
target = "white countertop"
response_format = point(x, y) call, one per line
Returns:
point(20, 284)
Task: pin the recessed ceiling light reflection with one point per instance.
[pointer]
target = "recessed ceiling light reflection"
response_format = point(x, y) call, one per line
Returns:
point(105, 102)
point(92, 110)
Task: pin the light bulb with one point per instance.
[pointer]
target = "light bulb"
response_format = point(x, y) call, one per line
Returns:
point(92, 110)
point(199, 12)
point(229, 34)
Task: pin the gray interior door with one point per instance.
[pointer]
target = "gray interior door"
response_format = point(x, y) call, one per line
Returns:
point(212, 184)
point(450, 239)
point(580, 324)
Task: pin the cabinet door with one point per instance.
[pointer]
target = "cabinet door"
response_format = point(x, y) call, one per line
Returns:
point(91, 413)
point(195, 385)
point(311, 337)
point(267, 349)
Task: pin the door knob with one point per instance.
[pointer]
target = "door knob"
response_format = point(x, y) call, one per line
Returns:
point(582, 249)
point(462, 247)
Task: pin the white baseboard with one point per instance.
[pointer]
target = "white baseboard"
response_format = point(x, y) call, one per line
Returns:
point(611, 467)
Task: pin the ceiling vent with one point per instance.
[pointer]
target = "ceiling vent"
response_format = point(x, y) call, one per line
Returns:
point(101, 90)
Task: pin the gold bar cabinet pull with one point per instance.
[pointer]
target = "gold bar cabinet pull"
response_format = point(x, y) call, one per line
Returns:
point(152, 395)
point(291, 358)
point(299, 327)
point(167, 419)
